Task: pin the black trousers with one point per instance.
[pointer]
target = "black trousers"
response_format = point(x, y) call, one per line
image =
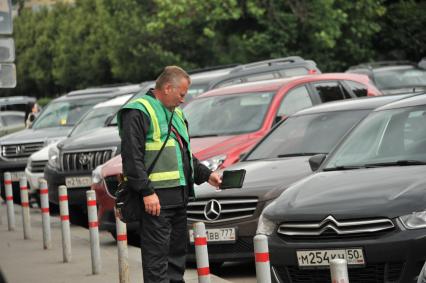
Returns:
point(164, 245)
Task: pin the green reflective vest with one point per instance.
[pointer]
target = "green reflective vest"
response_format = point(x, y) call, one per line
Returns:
point(168, 171)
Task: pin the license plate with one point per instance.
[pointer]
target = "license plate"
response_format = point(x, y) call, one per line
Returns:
point(222, 235)
point(78, 182)
point(16, 176)
point(314, 258)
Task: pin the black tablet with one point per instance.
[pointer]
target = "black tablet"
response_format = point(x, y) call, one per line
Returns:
point(232, 179)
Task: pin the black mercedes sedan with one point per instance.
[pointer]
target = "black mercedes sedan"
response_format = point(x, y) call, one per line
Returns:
point(366, 203)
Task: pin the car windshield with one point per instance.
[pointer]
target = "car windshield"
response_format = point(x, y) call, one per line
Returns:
point(306, 135)
point(227, 114)
point(391, 137)
point(95, 118)
point(400, 77)
point(64, 113)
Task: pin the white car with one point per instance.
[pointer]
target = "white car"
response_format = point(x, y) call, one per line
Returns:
point(100, 114)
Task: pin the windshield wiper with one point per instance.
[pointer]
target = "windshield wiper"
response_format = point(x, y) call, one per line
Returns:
point(395, 163)
point(344, 167)
point(299, 154)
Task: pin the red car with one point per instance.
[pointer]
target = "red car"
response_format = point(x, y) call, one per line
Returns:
point(226, 122)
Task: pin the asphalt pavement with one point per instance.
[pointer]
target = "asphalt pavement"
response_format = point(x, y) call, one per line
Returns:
point(26, 260)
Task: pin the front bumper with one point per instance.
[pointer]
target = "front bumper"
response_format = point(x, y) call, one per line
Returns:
point(33, 180)
point(242, 249)
point(76, 196)
point(397, 256)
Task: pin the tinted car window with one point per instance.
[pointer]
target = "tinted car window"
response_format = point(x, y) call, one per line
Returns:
point(227, 114)
point(330, 91)
point(96, 118)
point(64, 113)
point(296, 99)
point(357, 88)
point(307, 134)
point(400, 77)
point(385, 136)
point(10, 120)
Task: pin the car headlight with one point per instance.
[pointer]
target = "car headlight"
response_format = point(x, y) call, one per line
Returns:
point(214, 162)
point(53, 157)
point(97, 175)
point(415, 220)
point(265, 226)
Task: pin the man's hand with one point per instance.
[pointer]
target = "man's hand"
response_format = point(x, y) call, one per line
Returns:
point(215, 180)
point(152, 204)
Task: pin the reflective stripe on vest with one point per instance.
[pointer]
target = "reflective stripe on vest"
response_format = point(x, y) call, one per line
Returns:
point(156, 130)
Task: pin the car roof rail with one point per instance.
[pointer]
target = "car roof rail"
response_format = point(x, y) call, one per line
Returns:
point(267, 63)
point(378, 64)
point(212, 68)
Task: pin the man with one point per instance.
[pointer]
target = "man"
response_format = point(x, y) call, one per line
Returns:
point(144, 126)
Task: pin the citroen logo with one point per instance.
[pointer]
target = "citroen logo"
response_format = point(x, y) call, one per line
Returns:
point(212, 210)
point(84, 159)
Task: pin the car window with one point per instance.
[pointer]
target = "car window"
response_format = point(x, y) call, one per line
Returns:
point(64, 113)
point(227, 114)
point(294, 72)
point(95, 118)
point(358, 89)
point(307, 134)
point(330, 91)
point(400, 77)
point(260, 77)
point(296, 99)
point(12, 120)
point(385, 136)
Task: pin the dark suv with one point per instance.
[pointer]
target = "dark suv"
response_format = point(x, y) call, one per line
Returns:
point(53, 124)
point(394, 76)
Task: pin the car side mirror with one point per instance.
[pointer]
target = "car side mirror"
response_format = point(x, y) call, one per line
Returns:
point(316, 161)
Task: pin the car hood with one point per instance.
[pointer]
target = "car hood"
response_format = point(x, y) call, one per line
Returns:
point(43, 154)
point(35, 135)
point(95, 139)
point(265, 179)
point(362, 193)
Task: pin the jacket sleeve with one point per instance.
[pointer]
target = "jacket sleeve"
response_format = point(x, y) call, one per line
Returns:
point(201, 172)
point(135, 125)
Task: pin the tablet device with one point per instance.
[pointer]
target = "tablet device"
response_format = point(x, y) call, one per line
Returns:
point(232, 179)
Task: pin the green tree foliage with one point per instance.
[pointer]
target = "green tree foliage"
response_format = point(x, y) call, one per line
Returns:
point(107, 41)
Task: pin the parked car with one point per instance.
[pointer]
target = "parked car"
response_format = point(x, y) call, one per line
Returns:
point(17, 103)
point(99, 116)
point(254, 107)
point(11, 121)
point(393, 77)
point(366, 203)
point(278, 160)
point(53, 124)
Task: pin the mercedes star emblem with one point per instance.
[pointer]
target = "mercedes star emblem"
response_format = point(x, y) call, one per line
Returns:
point(212, 210)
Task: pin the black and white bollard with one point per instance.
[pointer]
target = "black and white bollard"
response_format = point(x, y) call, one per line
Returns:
point(201, 253)
point(123, 252)
point(9, 201)
point(45, 214)
point(261, 252)
point(26, 222)
point(65, 223)
point(92, 214)
point(339, 271)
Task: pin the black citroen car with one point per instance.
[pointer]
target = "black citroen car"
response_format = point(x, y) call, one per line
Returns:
point(276, 162)
point(366, 203)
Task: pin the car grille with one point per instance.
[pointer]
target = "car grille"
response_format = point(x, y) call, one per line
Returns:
point(229, 209)
point(85, 161)
point(243, 245)
point(330, 228)
point(372, 273)
point(37, 166)
point(20, 150)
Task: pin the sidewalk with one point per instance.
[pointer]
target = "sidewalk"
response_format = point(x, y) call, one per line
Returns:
point(25, 260)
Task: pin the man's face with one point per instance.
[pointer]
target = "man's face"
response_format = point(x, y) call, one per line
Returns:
point(175, 95)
